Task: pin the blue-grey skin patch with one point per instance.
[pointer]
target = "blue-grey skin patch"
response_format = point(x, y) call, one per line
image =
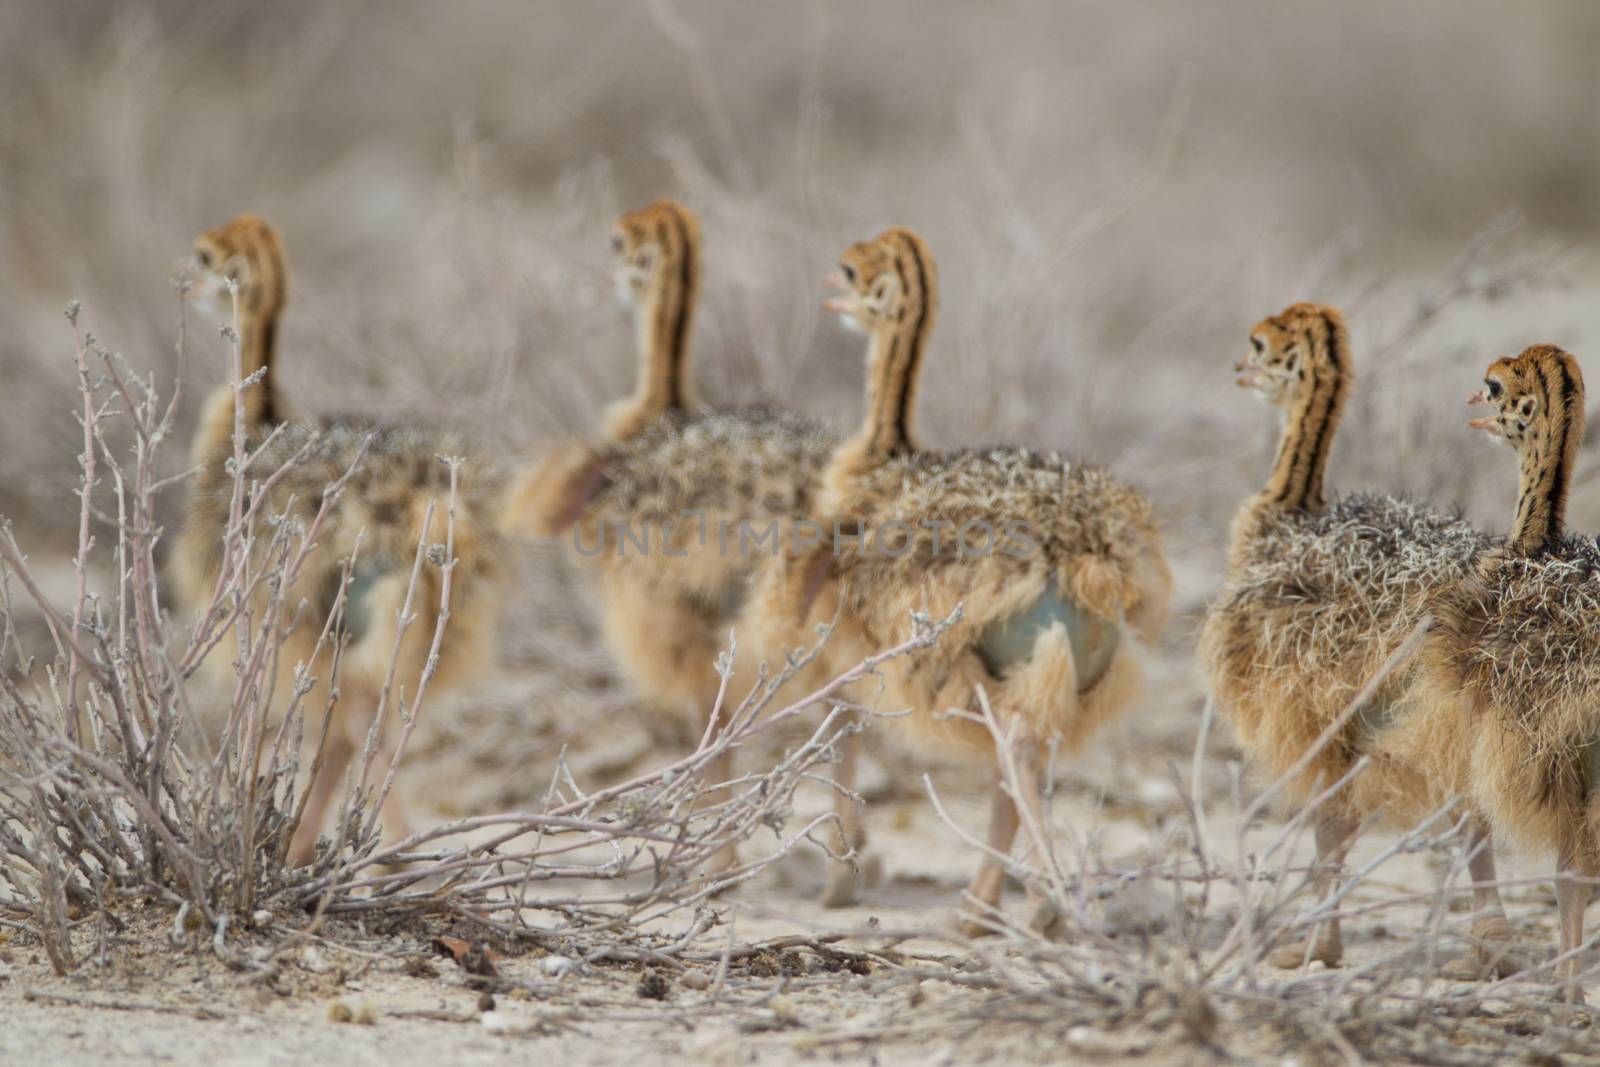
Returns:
point(724, 609)
point(732, 599)
point(1094, 639)
point(1591, 765)
point(1374, 716)
point(358, 597)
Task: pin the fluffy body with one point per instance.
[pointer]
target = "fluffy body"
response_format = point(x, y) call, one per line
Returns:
point(378, 521)
point(676, 524)
point(1516, 651)
point(1054, 522)
point(1315, 604)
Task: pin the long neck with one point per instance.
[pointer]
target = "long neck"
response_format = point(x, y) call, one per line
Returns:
point(258, 348)
point(1546, 466)
point(260, 304)
point(662, 323)
point(1308, 427)
point(663, 338)
point(895, 358)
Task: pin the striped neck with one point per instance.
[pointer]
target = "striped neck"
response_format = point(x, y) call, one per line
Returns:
point(261, 301)
point(894, 358)
point(1309, 424)
point(662, 324)
point(1546, 458)
point(663, 337)
point(258, 344)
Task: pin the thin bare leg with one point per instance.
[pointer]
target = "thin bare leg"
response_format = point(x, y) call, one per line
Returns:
point(1334, 834)
point(1572, 898)
point(845, 877)
point(396, 824)
point(336, 755)
point(1492, 936)
point(989, 881)
point(1030, 760)
point(718, 770)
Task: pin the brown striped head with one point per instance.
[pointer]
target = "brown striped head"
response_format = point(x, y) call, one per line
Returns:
point(1536, 402)
point(1292, 351)
point(1299, 361)
point(657, 252)
point(889, 282)
point(1527, 393)
point(248, 250)
point(890, 292)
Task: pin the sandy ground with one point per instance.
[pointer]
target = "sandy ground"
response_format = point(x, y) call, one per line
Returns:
point(385, 993)
point(167, 1000)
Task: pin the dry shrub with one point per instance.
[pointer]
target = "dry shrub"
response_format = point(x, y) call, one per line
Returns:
point(111, 788)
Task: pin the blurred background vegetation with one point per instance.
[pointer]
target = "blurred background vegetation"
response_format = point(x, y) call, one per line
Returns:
point(1115, 194)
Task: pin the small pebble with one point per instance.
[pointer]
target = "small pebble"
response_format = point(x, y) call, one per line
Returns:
point(1155, 792)
point(555, 966)
point(498, 1022)
point(1315, 966)
point(695, 979)
point(261, 919)
point(784, 1009)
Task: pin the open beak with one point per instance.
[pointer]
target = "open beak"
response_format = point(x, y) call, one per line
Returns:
point(1485, 423)
point(1248, 376)
point(844, 303)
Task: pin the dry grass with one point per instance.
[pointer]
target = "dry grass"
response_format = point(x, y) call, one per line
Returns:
point(1112, 204)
